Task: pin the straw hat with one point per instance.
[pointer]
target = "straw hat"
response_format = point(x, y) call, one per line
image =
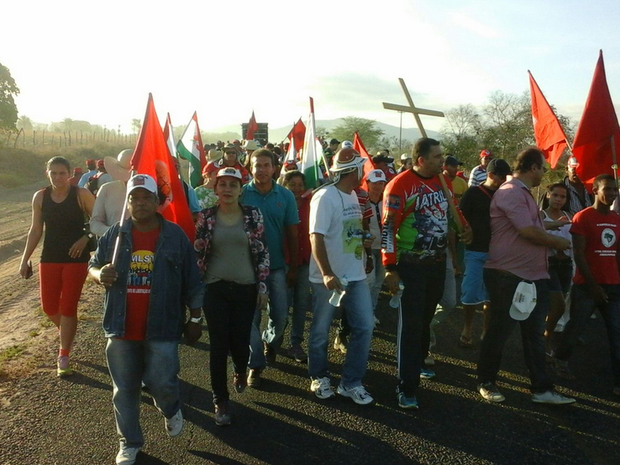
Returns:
point(119, 168)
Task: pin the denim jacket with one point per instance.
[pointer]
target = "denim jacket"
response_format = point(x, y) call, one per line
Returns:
point(175, 282)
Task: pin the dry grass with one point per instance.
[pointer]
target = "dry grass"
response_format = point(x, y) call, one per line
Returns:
point(20, 167)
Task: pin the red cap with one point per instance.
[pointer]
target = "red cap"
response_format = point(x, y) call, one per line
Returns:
point(100, 163)
point(485, 153)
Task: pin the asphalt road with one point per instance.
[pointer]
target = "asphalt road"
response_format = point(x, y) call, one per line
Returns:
point(45, 420)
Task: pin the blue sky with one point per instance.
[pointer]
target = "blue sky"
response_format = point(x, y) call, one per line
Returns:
point(97, 61)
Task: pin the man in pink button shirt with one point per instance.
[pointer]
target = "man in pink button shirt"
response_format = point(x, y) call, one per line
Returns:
point(518, 252)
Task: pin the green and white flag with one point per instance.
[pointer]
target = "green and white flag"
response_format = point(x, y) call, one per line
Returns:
point(190, 148)
point(312, 153)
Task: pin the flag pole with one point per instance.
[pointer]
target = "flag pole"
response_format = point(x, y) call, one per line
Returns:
point(614, 166)
point(121, 235)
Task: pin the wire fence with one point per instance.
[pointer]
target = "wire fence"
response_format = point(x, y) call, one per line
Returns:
point(24, 139)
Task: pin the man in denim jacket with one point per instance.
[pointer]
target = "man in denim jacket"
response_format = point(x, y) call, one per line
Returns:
point(154, 277)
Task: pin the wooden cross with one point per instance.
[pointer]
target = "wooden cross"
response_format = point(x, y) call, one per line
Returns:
point(416, 114)
point(412, 108)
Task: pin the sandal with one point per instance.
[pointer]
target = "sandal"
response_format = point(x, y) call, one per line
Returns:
point(466, 342)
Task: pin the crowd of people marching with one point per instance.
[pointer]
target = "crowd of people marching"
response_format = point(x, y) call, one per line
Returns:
point(267, 245)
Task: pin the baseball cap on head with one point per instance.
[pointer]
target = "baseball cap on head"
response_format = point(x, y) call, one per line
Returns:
point(376, 176)
point(486, 153)
point(499, 167)
point(382, 158)
point(452, 161)
point(347, 144)
point(334, 142)
point(405, 156)
point(142, 181)
point(229, 171)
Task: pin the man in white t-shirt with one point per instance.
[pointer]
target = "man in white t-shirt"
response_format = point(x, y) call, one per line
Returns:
point(337, 264)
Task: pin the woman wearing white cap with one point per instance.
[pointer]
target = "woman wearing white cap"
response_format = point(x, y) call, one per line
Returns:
point(234, 264)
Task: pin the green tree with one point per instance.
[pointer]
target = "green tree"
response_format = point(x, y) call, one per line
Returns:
point(461, 131)
point(509, 127)
point(366, 128)
point(8, 91)
point(136, 125)
point(24, 123)
point(67, 124)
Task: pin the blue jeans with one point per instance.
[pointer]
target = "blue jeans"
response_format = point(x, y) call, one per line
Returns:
point(582, 306)
point(501, 287)
point(299, 298)
point(424, 285)
point(278, 314)
point(358, 308)
point(131, 362)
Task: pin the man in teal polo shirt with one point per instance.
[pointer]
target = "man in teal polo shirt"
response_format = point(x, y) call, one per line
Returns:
point(279, 210)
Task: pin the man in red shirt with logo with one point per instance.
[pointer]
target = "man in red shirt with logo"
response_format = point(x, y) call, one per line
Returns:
point(153, 279)
point(596, 284)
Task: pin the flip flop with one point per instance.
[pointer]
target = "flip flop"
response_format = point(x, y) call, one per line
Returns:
point(466, 342)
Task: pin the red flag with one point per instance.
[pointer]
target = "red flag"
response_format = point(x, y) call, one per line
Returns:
point(297, 135)
point(252, 128)
point(550, 137)
point(151, 157)
point(599, 124)
point(358, 145)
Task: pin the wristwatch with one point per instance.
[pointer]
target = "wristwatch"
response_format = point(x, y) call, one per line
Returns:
point(90, 235)
point(197, 320)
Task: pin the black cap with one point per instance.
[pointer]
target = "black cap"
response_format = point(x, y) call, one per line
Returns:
point(499, 167)
point(382, 159)
point(452, 161)
point(334, 141)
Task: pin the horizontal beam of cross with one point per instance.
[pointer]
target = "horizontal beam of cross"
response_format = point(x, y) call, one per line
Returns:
point(406, 109)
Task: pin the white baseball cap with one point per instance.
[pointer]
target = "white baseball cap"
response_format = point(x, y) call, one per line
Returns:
point(142, 181)
point(229, 171)
point(376, 176)
point(523, 301)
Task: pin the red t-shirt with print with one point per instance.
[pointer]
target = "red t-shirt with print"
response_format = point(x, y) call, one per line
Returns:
point(601, 233)
point(139, 283)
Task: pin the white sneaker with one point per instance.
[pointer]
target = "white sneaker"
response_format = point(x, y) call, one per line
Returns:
point(358, 393)
point(552, 397)
point(322, 388)
point(127, 455)
point(174, 425)
point(490, 392)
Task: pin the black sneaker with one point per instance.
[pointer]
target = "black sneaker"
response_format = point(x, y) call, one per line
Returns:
point(222, 414)
point(297, 353)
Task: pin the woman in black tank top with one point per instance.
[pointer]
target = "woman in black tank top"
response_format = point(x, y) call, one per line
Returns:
point(60, 210)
